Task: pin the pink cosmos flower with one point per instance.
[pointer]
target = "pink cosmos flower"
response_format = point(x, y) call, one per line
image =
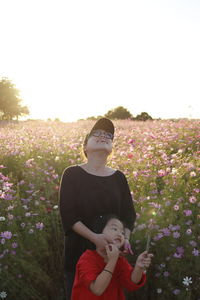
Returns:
point(39, 225)
point(3, 241)
point(14, 245)
point(158, 236)
point(162, 173)
point(176, 292)
point(189, 231)
point(176, 235)
point(187, 212)
point(180, 250)
point(192, 199)
point(195, 252)
point(6, 234)
point(192, 174)
point(176, 255)
point(193, 243)
point(176, 207)
point(166, 231)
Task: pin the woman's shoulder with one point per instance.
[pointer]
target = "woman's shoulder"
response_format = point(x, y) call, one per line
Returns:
point(71, 170)
point(110, 171)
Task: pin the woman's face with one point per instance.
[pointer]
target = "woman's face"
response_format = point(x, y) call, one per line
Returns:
point(99, 140)
point(114, 230)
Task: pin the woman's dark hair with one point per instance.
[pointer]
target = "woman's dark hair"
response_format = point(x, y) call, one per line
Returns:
point(100, 222)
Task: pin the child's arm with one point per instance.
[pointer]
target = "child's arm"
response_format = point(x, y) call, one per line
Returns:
point(143, 262)
point(103, 279)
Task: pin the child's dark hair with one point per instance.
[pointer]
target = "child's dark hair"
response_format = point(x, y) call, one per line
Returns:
point(100, 222)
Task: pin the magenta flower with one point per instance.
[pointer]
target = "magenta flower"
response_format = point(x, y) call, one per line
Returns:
point(176, 292)
point(193, 243)
point(6, 234)
point(166, 274)
point(14, 245)
point(176, 255)
point(180, 250)
point(176, 207)
point(158, 236)
point(192, 199)
point(195, 252)
point(39, 225)
point(176, 235)
point(174, 228)
point(166, 231)
point(161, 173)
point(187, 212)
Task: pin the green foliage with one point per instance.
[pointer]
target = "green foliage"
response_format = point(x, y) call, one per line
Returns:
point(161, 162)
point(118, 113)
point(10, 101)
point(143, 117)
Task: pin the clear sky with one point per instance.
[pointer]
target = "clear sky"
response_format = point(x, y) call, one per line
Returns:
point(75, 59)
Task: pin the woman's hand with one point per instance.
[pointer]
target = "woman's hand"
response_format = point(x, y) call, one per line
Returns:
point(101, 241)
point(127, 247)
point(144, 260)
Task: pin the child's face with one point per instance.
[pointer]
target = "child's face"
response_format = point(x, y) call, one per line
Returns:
point(114, 229)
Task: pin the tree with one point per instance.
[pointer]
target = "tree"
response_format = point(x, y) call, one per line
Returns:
point(10, 101)
point(143, 117)
point(119, 113)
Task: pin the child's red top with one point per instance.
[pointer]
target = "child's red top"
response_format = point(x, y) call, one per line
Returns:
point(90, 265)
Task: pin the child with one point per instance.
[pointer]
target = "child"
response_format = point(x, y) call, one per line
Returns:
point(104, 275)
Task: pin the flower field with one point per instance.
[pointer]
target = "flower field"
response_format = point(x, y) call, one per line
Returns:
point(161, 162)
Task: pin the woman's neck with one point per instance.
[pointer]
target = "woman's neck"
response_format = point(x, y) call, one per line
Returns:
point(96, 165)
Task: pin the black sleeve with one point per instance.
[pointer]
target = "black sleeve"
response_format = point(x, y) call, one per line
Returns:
point(68, 200)
point(128, 213)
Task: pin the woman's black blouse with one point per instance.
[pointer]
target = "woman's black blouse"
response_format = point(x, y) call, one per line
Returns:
point(83, 197)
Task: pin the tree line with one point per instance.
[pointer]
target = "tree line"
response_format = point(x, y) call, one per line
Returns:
point(11, 108)
point(121, 113)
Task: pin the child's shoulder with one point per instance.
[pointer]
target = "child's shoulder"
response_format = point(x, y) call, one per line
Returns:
point(89, 254)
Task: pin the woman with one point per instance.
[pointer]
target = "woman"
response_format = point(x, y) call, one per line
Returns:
point(89, 191)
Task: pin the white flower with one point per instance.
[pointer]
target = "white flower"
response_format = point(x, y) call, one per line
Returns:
point(2, 218)
point(174, 171)
point(187, 280)
point(3, 295)
point(159, 291)
point(55, 207)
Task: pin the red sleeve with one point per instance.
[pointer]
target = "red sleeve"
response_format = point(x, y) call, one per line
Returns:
point(87, 268)
point(125, 270)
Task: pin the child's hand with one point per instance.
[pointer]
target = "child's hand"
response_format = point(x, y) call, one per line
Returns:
point(144, 260)
point(112, 252)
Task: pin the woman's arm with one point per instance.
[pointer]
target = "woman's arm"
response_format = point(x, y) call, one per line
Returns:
point(84, 231)
point(98, 239)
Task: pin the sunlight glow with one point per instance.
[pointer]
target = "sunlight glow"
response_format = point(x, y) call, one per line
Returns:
point(75, 59)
